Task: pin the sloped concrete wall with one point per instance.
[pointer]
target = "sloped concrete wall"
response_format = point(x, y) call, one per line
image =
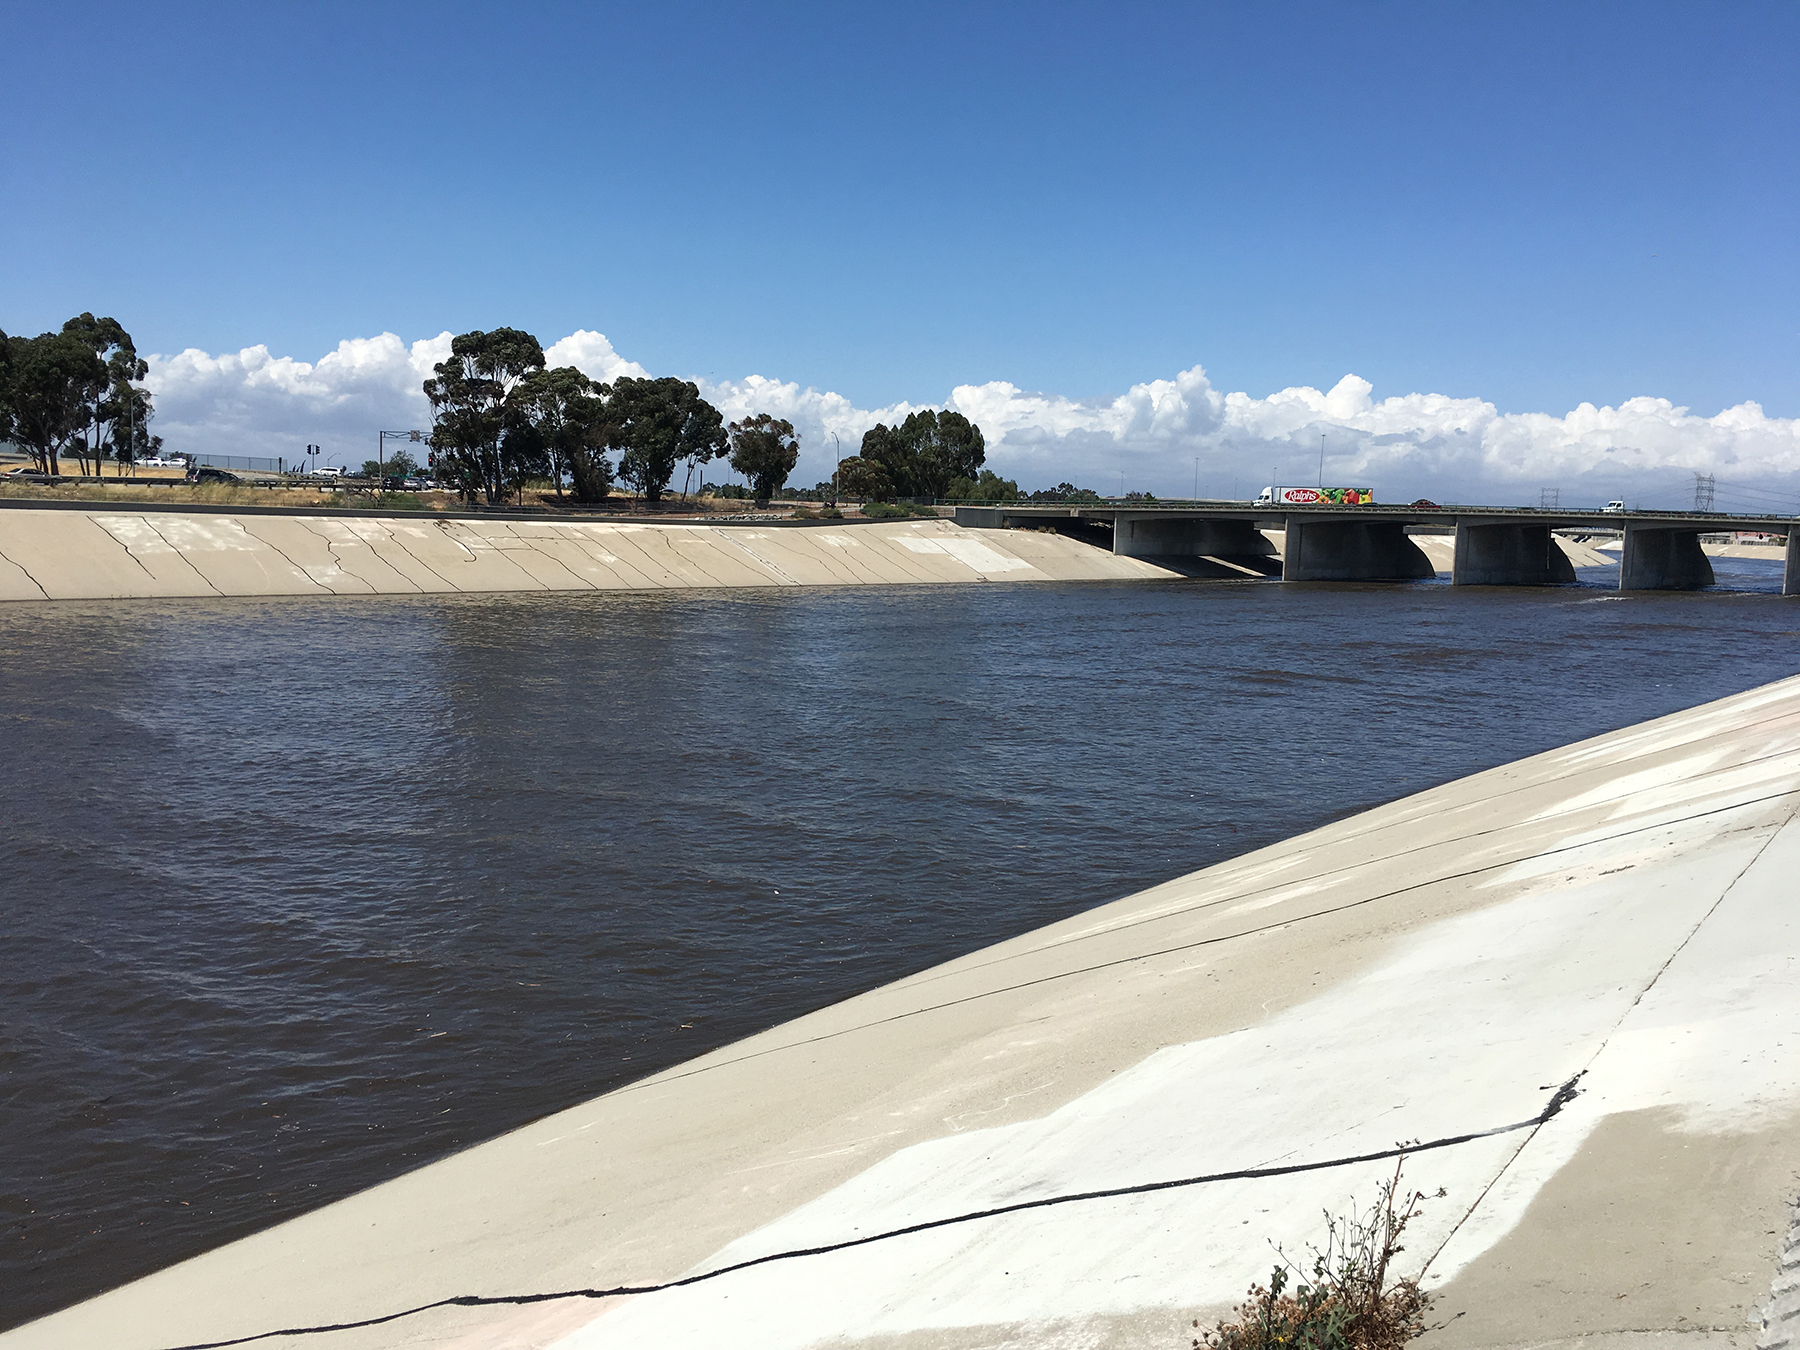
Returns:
point(110, 554)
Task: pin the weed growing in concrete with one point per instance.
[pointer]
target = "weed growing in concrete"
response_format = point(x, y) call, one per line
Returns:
point(1348, 1300)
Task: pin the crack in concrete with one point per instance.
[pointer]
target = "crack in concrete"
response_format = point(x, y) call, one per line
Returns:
point(27, 575)
point(127, 547)
point(401, 544)
point(270, 543)
point(374, 553)
point(176, 550)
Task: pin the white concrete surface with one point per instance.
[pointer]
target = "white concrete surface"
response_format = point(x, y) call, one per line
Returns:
point(113, 554)
point(1622, 909)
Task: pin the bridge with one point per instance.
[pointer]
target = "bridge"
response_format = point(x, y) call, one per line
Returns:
point(1495, 546)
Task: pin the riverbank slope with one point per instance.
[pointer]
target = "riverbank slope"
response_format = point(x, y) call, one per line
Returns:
point(1090, 1134)
point(118, 554)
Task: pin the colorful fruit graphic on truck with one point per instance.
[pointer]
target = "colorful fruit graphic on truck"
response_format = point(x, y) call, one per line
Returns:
point(1316, 496)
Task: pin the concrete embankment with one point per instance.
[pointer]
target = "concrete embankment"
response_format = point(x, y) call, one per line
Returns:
point(109, 554)
point(1090, 1134)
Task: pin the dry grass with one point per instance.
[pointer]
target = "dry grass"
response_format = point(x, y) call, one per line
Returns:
point(216, 494)
point(1349, 1299)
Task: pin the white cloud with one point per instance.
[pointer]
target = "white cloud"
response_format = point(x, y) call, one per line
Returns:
point(1453, 449)
point(591, 354)
point(252, 403)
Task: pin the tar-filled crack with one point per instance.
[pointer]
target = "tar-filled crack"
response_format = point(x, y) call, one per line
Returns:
point(178, 553)
point(33, 580)
point(1564, 1094)
point(401, 543)
point(270, 543)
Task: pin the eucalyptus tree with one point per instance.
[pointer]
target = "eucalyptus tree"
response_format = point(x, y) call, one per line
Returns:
point(764, 449)
point(6, 387)
point(104, 394)
point(129, 411)
point(568, 415)
point(49, 381)
point(658, 423)
point(469, 396)
point(863, 480)
point(925, 452)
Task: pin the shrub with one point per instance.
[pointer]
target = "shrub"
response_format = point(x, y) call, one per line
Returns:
point(1347, 1301)
point(895, 510)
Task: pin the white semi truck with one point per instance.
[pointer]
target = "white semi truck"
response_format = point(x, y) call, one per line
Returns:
point(1316, 496)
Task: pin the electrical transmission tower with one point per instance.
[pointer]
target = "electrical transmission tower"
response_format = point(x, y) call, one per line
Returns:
point(1703, 492)
point(1550, 499)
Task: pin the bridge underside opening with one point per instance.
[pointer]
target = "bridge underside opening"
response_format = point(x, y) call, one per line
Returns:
point(1351, 550)
point(1197, 548)
point(1509, 555)
point(1665, 560)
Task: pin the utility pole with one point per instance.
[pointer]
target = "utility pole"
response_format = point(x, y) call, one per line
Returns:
point(1321, 461)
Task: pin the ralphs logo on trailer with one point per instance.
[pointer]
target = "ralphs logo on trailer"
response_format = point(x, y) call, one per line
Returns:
point(1312, 496)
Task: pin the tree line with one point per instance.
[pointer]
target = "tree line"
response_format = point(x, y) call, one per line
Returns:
point(501, 417)
point(75, 394)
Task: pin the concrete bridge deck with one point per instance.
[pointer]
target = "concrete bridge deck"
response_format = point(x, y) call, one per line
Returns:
point(1618, 913)
point(1494, 546)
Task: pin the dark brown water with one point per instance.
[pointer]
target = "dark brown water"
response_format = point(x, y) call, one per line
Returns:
point(297, 895)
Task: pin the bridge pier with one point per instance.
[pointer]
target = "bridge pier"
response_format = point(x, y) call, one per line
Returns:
point(1663, 559)
point(1496, 554)
point(1790, 577)
point(1351, 550)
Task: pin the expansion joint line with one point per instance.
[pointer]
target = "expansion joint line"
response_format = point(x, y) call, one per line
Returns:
point(1562, 1096)
point(1606, 1040)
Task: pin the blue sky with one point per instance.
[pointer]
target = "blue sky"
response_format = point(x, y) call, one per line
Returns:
point(1534, 205)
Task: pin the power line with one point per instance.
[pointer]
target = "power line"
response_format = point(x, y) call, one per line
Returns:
point(1563, 1095)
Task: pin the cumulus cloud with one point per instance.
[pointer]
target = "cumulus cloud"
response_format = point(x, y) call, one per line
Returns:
point(253, 403)
point(1159, 435)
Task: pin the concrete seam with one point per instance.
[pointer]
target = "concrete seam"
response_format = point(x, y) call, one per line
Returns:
point(1606, 1040)
point(756, 557)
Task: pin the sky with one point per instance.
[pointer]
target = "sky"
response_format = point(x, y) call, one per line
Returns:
point(1481, 251)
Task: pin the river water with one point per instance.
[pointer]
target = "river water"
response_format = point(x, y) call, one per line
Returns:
point(296, 895)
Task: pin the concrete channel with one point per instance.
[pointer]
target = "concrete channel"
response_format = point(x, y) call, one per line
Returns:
point(1569, 986)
